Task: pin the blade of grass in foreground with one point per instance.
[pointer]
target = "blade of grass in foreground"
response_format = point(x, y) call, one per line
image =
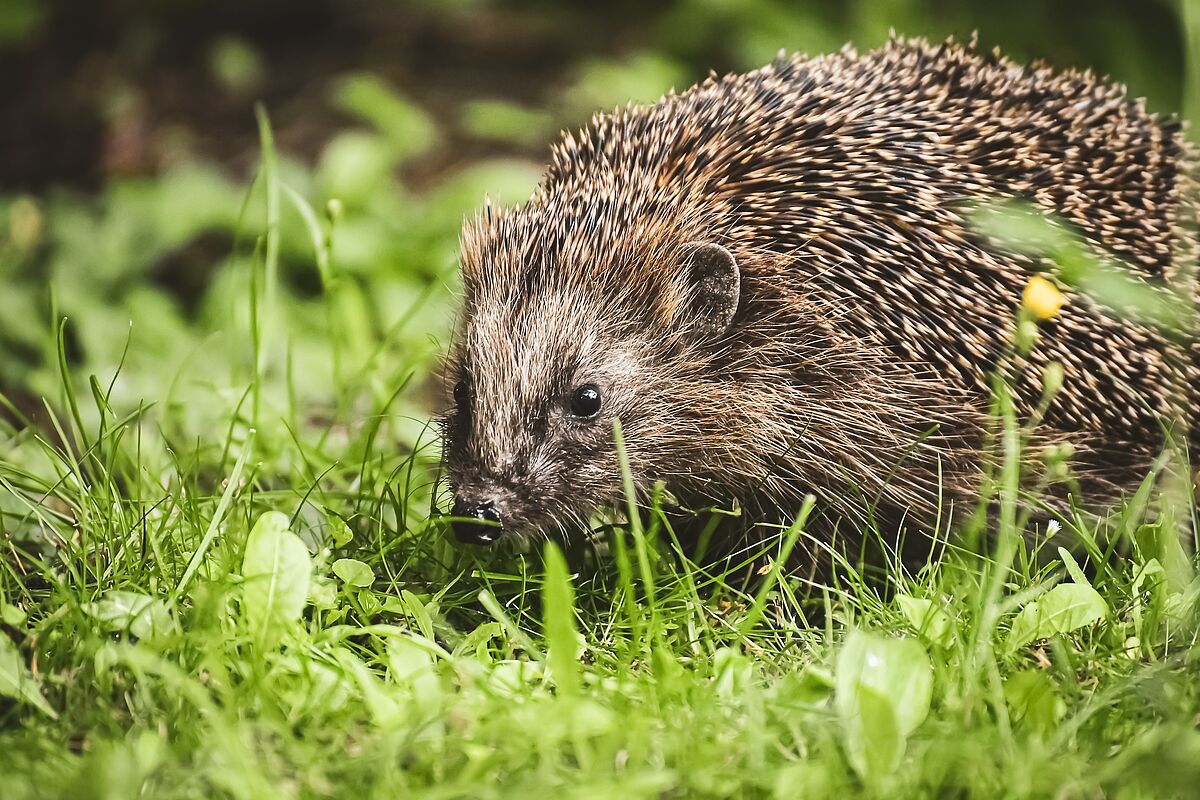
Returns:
point(562, 639)
point(232, 486)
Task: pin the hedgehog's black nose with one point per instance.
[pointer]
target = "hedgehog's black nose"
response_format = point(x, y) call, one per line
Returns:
point(480, 523)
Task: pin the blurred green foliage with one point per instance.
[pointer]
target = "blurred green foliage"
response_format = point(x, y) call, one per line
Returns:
point(19, 19)
point(154, 271)
point(154, 275)
point(169, 631)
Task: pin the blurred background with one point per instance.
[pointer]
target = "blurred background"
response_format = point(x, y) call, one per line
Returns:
point(129, 147)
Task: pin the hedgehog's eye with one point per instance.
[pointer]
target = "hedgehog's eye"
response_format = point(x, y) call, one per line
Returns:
point(585, 401)
point(460, 394)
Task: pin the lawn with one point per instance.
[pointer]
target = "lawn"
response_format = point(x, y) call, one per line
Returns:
point(224, 573)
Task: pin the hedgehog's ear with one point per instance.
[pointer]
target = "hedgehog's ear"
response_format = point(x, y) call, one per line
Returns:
point(714, 285)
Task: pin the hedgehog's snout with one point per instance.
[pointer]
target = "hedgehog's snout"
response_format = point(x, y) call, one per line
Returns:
point(479, 521)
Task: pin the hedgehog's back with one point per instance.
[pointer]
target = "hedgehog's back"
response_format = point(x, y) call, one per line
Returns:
point(862, 171)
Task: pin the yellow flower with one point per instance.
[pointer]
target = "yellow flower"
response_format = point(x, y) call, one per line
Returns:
point(1042, 298)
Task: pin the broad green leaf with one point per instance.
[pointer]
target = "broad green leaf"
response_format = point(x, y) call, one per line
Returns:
point(735, 673)
point(811, 686)
point(1149, 592)
point(415, 607)
point(1033, 702)
point(896, 668)
point(668, 673)
point(411, 664)
point(368, 603)
point(353, 572)
point(476, 642)
point(340, 531)
point(929, 621)
point(1073, 568)
point(322, 592)
point(589, 719)
point(1065, 608)
point(883, 689)
point(135, 613)
point(385, 710)
point(12, 615)
point(562, 639)
point(513, 677)
point(17, 681)
point(277, 569)
point(408, 657)
point(809, 779)
point(1164, 545)
point(873, 740)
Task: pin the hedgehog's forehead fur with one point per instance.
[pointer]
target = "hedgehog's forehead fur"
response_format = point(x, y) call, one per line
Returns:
point(573, 256)
point(600, 238)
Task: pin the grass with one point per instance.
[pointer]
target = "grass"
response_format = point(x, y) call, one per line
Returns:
point(169, 633)
point(239, 591)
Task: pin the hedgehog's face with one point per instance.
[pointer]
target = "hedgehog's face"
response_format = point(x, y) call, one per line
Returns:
point(529, 442)
point(538, 380)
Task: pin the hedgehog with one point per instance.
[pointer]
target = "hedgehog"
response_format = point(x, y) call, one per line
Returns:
point(774, 283)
